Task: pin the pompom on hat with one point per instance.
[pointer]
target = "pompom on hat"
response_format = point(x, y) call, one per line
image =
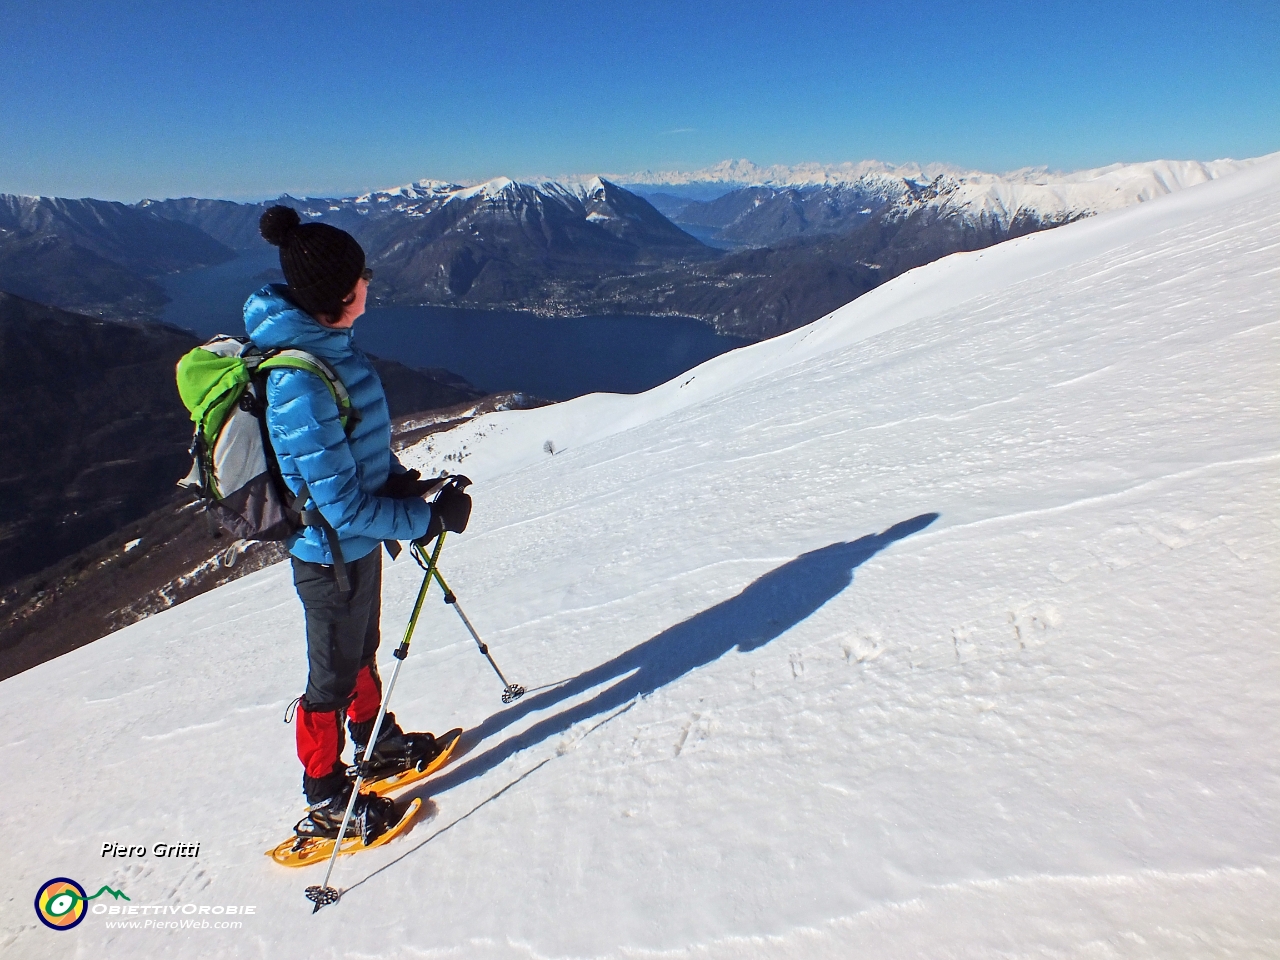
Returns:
point(321, 263)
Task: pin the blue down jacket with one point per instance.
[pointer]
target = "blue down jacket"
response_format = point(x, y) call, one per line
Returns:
point(341, 472)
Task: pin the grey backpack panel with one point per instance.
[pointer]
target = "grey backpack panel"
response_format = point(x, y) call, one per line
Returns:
point(239, 456)
point(254, 512)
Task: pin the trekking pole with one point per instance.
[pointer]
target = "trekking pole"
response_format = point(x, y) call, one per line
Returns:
point(511, 692)
point(323, 895)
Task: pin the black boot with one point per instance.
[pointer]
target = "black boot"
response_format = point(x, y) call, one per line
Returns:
point(322, 789)
point(395, 751)
point(370, 817)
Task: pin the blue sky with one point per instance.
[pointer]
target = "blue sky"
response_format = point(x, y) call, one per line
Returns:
point(125, 100)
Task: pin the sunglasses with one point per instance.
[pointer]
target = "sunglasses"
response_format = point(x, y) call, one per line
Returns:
point(367, 276)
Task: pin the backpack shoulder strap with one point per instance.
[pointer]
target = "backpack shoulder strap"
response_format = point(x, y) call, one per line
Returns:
point(301, 360)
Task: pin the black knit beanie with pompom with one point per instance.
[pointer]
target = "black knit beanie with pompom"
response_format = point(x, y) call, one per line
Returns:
point(321, 263)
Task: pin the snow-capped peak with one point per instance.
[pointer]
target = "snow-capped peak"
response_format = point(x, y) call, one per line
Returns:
point(488, 190)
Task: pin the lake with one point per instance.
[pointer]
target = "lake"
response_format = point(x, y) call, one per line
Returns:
point(556, 358)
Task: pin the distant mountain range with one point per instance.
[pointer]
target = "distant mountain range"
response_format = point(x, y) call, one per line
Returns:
point(753, 250)
point(496, 242)
point(802, 241)
point(761, 206)
point(731, 174)
point(95, 256)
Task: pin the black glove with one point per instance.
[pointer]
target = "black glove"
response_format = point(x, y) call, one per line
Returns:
point(402, 486)
point(450, 510)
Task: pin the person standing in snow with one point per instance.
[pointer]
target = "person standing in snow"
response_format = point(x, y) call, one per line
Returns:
point(363, 497)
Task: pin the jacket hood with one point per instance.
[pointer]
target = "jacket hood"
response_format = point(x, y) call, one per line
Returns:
point(273, 322)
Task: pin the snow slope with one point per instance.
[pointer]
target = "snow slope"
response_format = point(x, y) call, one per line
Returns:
point(943, 627)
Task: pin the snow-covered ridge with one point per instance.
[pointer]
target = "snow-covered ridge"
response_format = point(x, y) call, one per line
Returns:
point(440, 190)
point(1082, 193)
point(1037, 192)
point(426, 196)
point(744, 173)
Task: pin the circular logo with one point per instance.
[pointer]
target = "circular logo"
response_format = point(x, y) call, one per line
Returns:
point(60, 904)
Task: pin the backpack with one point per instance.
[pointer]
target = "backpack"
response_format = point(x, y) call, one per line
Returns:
point(234, 470)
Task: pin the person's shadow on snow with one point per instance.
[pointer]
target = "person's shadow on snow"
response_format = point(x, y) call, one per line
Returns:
point(764, 610)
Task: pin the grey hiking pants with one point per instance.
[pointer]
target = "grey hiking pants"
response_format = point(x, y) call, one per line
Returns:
point(342, 627)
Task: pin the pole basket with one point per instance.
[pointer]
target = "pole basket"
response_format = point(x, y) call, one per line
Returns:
point(322, 896)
